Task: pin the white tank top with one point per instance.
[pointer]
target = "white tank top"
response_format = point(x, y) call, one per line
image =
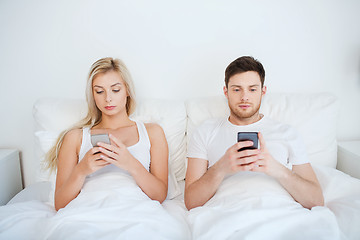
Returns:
point(140, 150)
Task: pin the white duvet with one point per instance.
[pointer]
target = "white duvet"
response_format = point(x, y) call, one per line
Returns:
point(254, 206)
point(109, 207)
point(246, 206)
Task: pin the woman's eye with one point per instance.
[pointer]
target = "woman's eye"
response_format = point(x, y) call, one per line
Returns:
point(99, 92)
point(116, 90)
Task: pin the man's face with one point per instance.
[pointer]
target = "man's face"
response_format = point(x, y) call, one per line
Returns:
point(244, 93)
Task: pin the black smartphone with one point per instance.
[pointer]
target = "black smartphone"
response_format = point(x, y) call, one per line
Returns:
point(95, 138)
point(248, 136)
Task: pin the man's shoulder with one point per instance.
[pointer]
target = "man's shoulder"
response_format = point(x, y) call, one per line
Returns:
point(276, 126)
point(209, 127)
point(211, 123)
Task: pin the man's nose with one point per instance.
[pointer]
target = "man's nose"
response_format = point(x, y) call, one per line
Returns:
point(244, 96)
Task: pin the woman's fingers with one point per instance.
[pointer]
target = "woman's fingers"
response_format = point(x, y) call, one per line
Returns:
point(111, 154)
point(102, 162)
point(117, 141)
point(107, 159)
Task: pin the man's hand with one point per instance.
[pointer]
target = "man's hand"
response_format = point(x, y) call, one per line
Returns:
point(202, 182)
point(234, 161)
point(266, 163)
point(300, 182)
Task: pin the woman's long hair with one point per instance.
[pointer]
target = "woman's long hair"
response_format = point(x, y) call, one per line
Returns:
point(93, 116)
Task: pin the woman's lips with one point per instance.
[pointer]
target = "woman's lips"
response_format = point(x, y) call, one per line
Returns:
point(109, 107)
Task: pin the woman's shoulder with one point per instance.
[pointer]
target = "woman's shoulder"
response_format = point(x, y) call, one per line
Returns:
point(76, 132)
point(73, 136)
point(154, 129)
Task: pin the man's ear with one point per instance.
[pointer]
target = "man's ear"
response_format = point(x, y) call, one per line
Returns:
point(263, 90)
point(225, 91)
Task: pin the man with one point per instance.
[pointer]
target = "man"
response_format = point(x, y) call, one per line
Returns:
point(214, 151)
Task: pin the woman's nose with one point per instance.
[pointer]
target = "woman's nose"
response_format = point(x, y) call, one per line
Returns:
point(108, 98)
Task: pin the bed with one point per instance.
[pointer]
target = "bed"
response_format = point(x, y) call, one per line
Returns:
point(246, 206)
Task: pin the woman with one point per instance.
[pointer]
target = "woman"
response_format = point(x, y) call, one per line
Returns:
point(111, 191)
point(136, 148)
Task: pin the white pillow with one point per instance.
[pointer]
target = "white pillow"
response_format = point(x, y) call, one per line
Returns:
point(314, 115)
point(58, 114)
point(37, 191)
point(44, 140)
point(55, 115)
point(171, 116)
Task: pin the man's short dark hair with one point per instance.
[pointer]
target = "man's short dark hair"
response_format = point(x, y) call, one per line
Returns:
point(244, 64)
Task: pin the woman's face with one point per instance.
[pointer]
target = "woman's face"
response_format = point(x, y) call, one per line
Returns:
point(110, 93)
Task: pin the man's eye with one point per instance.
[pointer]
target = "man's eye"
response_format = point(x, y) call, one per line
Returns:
point(236, 90)
point(253, 89)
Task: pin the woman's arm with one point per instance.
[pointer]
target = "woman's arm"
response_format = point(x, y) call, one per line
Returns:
point(71, 174)
point(153, 183)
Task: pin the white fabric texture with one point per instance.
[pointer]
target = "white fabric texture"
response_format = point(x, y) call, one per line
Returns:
point(249, 206)
point(52, 116)
point(110, 206)
point(213, 137)
point(253, 206)
point(140, 151)
point(313, 115)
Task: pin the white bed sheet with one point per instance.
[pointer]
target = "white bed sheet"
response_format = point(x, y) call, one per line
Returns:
point(109, 212)
point(246, 206)
point(254, 206)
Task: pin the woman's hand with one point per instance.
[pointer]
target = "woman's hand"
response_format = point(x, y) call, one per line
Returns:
point(91, 162)
point(117, 154)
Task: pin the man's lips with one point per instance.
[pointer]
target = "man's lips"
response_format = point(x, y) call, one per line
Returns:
point(109, 107)
point(244, 106)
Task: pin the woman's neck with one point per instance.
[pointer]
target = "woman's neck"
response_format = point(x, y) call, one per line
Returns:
point(114, 122)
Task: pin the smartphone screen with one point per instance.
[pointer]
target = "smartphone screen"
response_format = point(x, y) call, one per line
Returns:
point(248, 136)
point(95, 138)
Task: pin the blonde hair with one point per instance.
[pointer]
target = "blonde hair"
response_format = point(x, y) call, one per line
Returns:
point(93, 116)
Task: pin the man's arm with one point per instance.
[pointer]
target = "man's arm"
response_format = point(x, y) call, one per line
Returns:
point(303, 185)
point(300, 182)
point(202, 183)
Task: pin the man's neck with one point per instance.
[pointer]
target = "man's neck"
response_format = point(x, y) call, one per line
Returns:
point(245, 121)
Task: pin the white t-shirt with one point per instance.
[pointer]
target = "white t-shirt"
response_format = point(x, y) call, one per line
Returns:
point(213, 137)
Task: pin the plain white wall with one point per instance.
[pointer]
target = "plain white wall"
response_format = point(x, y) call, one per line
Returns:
point(174, 50)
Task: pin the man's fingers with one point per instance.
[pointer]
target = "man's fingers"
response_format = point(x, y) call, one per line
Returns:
point(248, 153)
point(261, 140)
point(245, 167)
point(242, 144)
point(247, 160)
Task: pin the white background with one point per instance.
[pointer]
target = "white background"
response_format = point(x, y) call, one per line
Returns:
point(174, 50)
